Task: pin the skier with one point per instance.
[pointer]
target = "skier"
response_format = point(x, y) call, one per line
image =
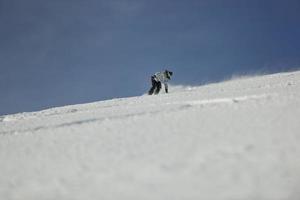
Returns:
point(157, 79)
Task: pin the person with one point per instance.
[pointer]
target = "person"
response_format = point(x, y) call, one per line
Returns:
point(157, 79)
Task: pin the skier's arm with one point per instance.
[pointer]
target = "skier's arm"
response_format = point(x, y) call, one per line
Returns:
point(166, 87)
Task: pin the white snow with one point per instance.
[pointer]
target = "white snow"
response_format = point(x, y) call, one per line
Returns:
point(235, 140)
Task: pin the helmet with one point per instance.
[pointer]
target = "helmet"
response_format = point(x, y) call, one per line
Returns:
point(169, 73)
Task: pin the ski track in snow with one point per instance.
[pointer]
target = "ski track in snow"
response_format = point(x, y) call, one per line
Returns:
point(179, 106)
point(238, 139)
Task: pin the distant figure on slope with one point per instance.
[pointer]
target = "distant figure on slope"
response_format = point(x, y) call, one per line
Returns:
point(157, 79)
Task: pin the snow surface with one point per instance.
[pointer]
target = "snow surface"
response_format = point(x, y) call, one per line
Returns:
point(238, 139)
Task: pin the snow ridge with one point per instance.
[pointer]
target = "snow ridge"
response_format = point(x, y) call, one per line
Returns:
point(237, 139)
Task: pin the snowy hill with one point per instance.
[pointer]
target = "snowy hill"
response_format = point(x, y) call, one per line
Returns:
point(238, 139)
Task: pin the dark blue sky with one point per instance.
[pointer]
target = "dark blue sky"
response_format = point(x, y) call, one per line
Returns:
point(60, 52)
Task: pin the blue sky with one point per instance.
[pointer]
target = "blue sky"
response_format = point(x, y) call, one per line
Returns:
point(60, 52)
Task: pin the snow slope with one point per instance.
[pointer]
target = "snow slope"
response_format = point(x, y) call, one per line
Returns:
point(234, 140)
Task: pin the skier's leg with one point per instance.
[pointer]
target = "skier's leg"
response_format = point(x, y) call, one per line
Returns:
point(153, 86)
point(158, 87)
